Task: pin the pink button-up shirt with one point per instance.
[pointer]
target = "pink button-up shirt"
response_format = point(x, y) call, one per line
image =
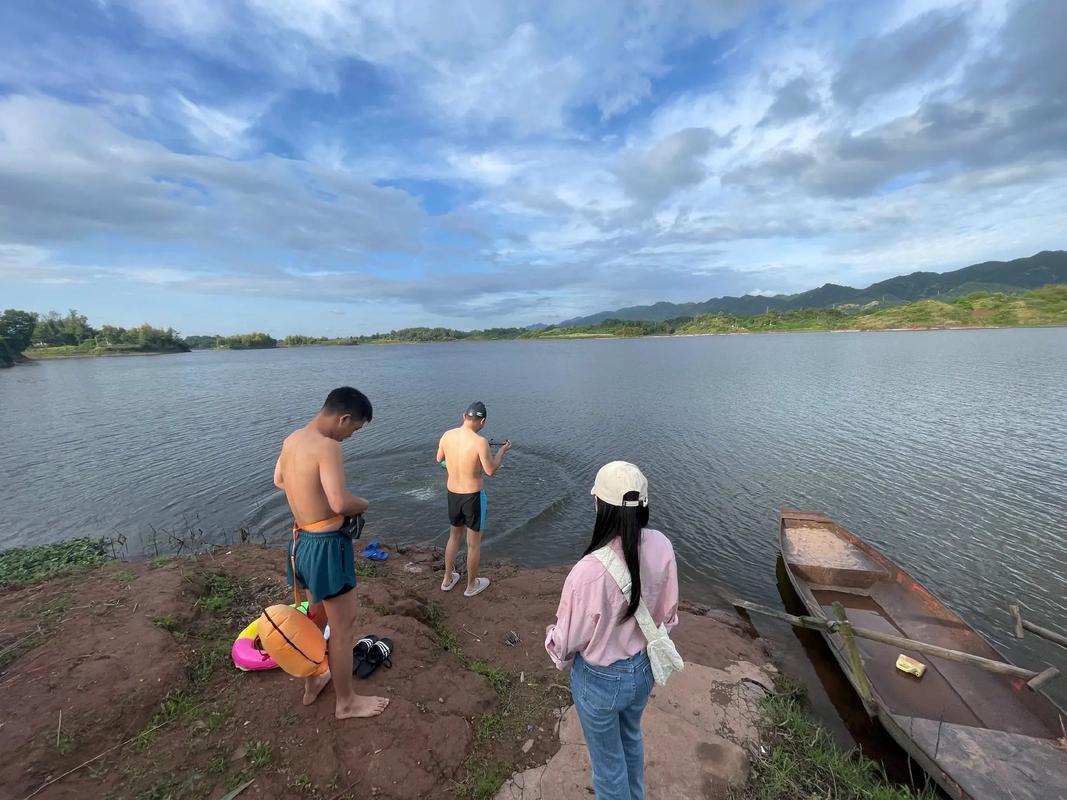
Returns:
point(589, 619)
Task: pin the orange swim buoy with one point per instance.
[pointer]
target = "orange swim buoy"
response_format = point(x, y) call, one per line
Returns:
point(293, 641)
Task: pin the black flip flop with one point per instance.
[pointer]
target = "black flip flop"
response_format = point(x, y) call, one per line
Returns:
point(361, 649)
point(381, 652)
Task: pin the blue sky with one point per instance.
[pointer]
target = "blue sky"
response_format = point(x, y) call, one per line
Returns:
point(334, 167)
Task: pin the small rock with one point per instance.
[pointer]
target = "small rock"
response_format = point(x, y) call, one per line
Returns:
point(413, 568)
point(527, 746)
point(440, 699)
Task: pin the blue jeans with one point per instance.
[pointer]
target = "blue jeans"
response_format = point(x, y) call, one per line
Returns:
point(610, 701)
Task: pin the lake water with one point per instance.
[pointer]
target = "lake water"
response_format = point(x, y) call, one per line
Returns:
point(947, 450)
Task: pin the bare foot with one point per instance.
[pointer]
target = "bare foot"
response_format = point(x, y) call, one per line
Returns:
point(313, 687)
point(360, 706)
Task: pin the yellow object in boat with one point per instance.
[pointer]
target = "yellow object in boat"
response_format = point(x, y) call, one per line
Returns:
point(910, 666)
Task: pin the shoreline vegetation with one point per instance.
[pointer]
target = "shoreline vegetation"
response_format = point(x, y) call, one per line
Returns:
point(189, 725)
point(25, 336)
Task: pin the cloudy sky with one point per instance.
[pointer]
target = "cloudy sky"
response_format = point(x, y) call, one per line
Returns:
point(334, 167)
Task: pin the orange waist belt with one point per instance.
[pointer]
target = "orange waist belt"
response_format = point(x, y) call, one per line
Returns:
point(322, 525)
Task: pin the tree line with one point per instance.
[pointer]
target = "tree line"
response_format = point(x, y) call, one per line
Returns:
point(51, 333)
point(242, 341)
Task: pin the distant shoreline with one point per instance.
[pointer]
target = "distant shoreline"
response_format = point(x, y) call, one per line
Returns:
point(29, 358)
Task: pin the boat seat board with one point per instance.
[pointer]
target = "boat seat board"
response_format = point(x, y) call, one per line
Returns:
point(819, 556)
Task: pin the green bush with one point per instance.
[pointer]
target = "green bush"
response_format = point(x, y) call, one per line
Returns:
point(22, 565)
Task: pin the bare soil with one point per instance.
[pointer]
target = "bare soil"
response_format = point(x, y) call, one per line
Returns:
point(127, 667)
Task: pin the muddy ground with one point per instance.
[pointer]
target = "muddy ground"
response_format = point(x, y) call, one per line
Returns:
point(127, 668)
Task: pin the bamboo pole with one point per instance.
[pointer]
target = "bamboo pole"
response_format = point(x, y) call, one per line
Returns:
point(855, 660)
point(1022, 624)
point(831, 626)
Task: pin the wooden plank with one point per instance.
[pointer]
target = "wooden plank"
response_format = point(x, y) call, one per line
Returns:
point(805, 516)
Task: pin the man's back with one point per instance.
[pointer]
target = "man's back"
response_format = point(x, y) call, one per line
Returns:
point(465, 452)
point(300, 466)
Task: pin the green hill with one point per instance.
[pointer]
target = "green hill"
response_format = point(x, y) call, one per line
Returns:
point(991, 276)
point(1039, 307)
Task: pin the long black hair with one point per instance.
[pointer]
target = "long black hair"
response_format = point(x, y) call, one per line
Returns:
point(626, 523)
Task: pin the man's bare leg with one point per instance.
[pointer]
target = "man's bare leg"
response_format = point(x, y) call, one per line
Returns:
point(455, 536)
point(341, 613)
point(313, 686)
point(474, 556)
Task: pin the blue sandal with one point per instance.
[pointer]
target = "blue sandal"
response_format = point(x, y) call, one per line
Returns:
point(375, 553)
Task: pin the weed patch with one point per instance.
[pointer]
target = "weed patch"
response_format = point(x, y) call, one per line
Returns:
point(204, 662)
point(260, 755)
point(167, 622)
point(22, 565)
point(802, 760)
point(219, 594)
point(367, 569)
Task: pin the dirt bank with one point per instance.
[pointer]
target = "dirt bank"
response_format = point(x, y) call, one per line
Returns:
point(138, 653)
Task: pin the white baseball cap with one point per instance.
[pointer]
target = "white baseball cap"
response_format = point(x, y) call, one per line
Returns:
point(615, 480)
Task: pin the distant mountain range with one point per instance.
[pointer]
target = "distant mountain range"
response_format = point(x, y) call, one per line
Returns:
point(1019, 275)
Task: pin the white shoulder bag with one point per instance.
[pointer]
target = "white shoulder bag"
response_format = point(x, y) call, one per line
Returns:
point(662, 654)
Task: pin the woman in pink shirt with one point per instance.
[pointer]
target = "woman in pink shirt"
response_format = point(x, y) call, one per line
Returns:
point(595, 628)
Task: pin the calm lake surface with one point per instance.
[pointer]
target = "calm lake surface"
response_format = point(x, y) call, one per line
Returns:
point(947, 450)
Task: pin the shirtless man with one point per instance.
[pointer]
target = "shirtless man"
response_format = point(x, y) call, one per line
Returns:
point(311, 472)
point(466, 456)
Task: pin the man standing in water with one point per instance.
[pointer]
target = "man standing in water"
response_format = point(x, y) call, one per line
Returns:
point(311, 472)
point(466, 456)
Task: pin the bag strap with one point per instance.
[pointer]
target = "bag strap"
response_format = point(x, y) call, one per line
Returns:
point(617, 569)
point(292, 560)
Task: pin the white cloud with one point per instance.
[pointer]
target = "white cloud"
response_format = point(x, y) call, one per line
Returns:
point(566, 145)
point(219, 131)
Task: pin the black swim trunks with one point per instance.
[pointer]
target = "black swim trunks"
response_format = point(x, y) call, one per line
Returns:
point(467, 510)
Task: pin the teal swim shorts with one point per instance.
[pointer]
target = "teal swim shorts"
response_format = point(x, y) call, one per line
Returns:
point(325, 564)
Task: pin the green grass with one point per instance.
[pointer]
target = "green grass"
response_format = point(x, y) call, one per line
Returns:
point(803, 762)
point(485, 779)
point(366, 568)
point(23, 565)
point(488, 726)
point(178, 706)
point(89, 348)
point(167, 622)
point(204, 662)
point(302, 783)
point(124, 575)
point(500, 681)
point(260, 755)
point(219, 594)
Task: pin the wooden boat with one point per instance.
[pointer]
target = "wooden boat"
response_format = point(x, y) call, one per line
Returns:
point(979, 734)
